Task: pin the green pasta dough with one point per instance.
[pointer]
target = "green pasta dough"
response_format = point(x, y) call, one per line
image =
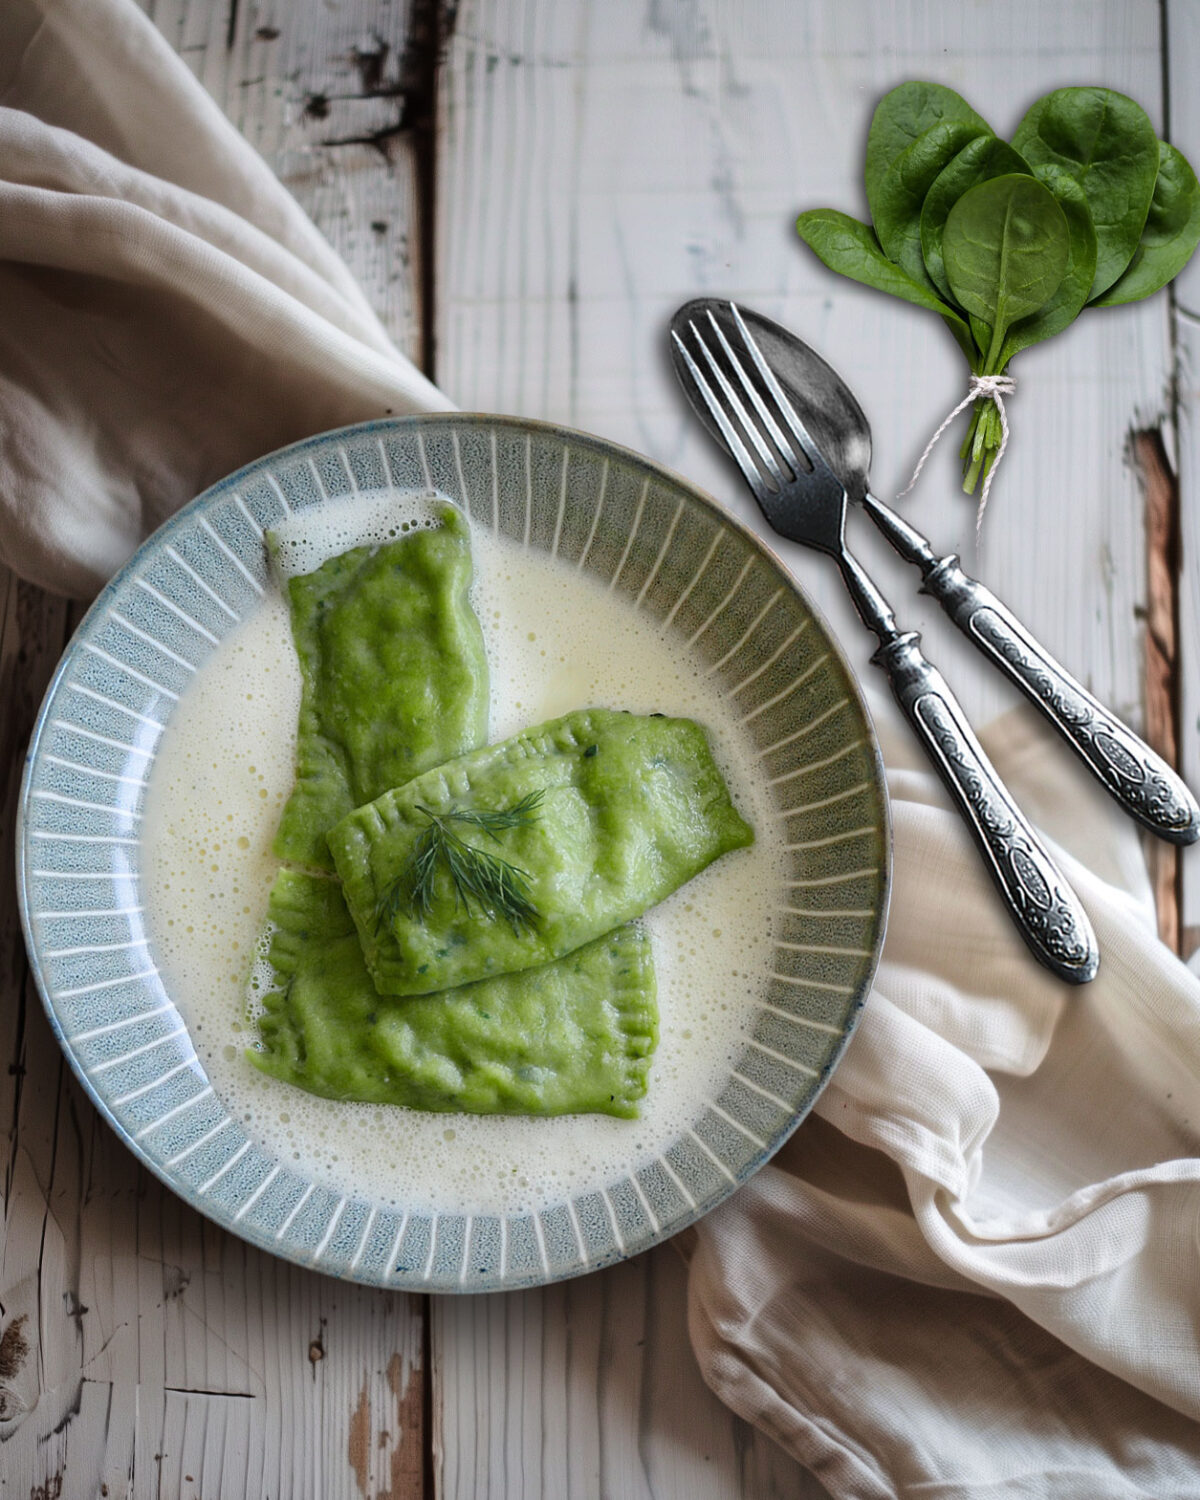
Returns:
point(394, 683)
point(627, 809)
point(568, 1037)
point(394, 676)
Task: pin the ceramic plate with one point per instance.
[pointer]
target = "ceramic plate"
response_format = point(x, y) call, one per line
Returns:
point(673, 554)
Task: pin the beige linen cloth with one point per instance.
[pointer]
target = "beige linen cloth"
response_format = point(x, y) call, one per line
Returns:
point(974, 1271)
point(169, 312)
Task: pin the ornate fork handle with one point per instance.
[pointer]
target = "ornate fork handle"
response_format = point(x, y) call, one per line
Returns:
point(1047, 912)
point(1140, 780)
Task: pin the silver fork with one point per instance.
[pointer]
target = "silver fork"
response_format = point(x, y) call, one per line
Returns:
point(804, 500)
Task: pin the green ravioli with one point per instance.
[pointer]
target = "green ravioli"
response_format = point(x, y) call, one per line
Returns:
point(571, 1036)
point(394, 675)
point(630, 809)
point(395, 682)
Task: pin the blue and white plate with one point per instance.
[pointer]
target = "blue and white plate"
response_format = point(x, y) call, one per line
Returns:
point(676, 556)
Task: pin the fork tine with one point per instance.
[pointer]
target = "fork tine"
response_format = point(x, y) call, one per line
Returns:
point(764, 411)
point(750, 470)
point(765, 456)
point(786, 410)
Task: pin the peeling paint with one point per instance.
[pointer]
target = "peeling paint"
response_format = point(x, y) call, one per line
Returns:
point(175, 1282)
point(359, 1441)
point(14, 1350)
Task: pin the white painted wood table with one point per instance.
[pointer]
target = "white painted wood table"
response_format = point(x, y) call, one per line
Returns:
point(526, 191)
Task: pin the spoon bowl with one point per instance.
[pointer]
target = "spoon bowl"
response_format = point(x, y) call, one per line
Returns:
point(827, 404)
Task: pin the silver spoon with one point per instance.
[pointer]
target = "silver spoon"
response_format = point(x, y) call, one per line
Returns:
point(1142, 782)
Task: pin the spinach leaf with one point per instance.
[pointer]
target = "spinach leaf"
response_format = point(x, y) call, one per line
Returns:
point(982, 158)
point(1009, 243)
point(1006, 249)
point(850, 248)
point(1171, 232)
point(981, 332)
point(897, 198)
point(903, 115)
point(1107, 143)
point(1071, 298)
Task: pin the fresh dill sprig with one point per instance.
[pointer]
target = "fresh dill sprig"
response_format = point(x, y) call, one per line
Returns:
point(483, 882)
point(496, 820)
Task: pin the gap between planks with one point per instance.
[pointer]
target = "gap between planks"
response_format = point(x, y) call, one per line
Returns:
point(1160, 494)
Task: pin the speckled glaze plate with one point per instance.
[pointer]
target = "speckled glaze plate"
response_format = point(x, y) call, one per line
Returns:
point(673, 554)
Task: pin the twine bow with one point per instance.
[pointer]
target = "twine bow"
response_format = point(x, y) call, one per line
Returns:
point(992, 388)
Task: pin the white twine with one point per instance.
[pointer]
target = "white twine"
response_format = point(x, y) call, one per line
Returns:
point(993, 388)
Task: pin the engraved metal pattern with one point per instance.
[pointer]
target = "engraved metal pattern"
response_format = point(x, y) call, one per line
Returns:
point(1138, 778)
point(1049, 912)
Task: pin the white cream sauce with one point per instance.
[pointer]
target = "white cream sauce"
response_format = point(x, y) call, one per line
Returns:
point(556, 641)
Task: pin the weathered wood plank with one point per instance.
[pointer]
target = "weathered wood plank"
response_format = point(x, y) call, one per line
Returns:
point(140, 1347)
point(311, 85)
point(587, 1389)
point(648, 157)
point(150, 1353)
point(602, 164)
point(1160, 496)
point(1183, 37)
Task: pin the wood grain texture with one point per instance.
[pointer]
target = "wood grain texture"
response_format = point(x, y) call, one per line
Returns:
point(595, 166)
point(1183, 438)
point(649, 155)
point(1160, 495)
point(652, 154)
point(311, 85)
point(143, 1352)
point(142, 1348)
point(589, 1389)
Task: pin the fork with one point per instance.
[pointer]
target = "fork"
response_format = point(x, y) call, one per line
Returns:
point(804, 500)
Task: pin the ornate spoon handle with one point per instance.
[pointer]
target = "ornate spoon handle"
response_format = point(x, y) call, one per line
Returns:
point(1141, 781)
point(1045, 909)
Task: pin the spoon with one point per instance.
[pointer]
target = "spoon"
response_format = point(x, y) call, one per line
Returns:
point(1141, 782)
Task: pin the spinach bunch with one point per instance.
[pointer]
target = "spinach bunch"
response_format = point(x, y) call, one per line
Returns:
point(1009, 242)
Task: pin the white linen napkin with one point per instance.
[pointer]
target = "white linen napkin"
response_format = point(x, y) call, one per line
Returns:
point(973, 1271)
point(995, 1210)
point(167, 311)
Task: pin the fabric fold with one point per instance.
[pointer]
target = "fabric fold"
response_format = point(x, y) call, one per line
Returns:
point(167, 311)
point(1038, 1233)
